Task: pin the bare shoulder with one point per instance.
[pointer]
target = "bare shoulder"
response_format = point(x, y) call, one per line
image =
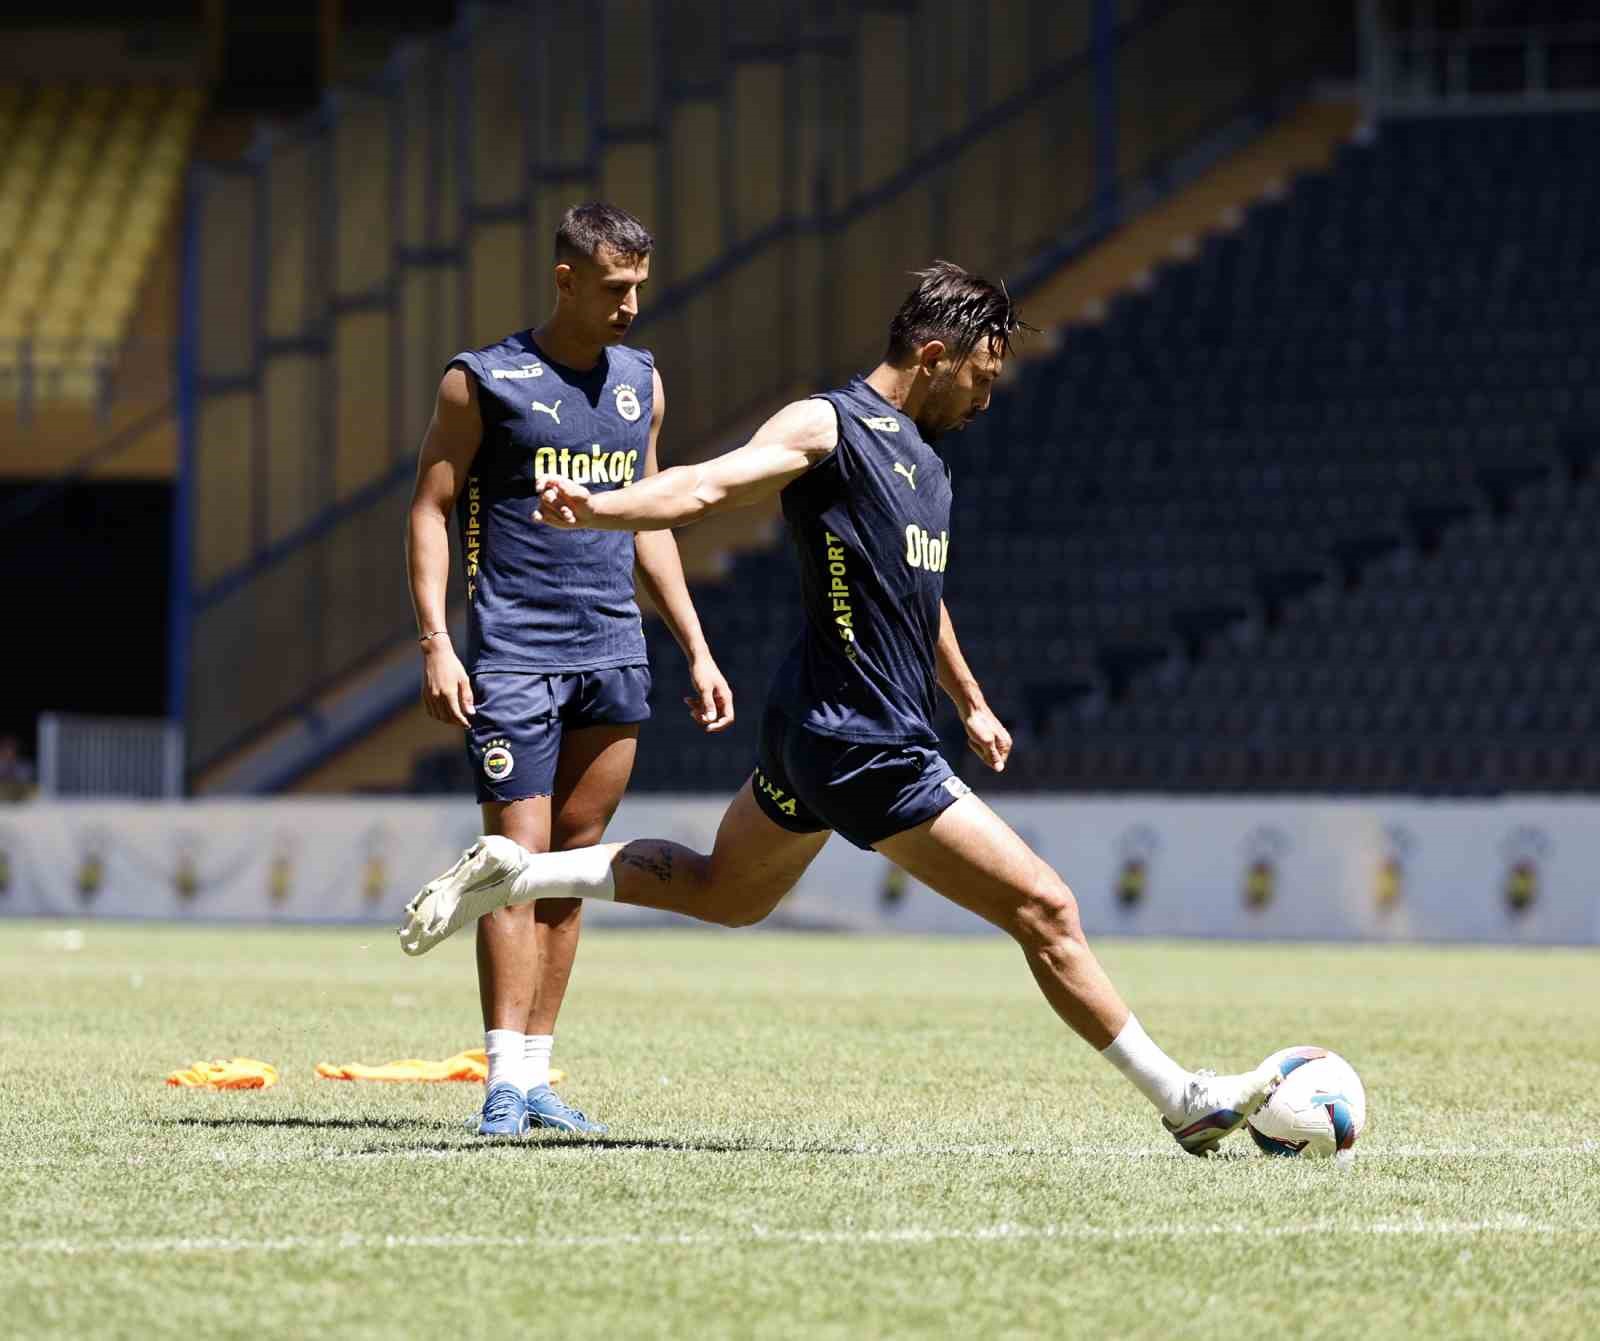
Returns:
point(658, 396)
point(457, 425)
point(456, 391)
point(810, 426)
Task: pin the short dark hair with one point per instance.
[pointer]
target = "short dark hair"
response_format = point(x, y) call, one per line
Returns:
point(957, 307)
point(586, 228)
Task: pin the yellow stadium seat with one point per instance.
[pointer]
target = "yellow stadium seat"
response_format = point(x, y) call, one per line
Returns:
point(56, 199)
point(95, 234)
point(103, 323)
point(163, 179)
point(25, 298)
point(100, 204)
point(119, 288)
point(69, 283)
point(20, 319)
point(60, 325)
point(90, 178)
point(33, 256)
point(45, 227)
point(106, 189)
point(165, 155)
point(50, 356)
point(107, 312)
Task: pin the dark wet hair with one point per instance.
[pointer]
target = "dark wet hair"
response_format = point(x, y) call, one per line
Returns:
point(957, 307)
point(587, 228)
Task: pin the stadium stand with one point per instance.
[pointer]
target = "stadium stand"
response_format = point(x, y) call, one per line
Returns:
point(90, 177)
point(772, 156)
point(1311, 513)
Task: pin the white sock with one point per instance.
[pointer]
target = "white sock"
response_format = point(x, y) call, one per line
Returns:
point(1156, 1076)
point(581, 873)
point(506, 1049)
point(537, 1059)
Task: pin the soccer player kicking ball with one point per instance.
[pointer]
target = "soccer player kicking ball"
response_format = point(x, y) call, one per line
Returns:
point(554, 682)
point(847, 741)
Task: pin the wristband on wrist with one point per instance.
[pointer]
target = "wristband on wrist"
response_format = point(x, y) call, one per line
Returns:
point(437, 633)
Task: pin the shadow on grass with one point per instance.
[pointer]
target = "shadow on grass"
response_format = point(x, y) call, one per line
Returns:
point(321, 1124)
point(538, 1141)
point(550, 1140)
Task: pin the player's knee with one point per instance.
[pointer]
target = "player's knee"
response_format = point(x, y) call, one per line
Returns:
point(1048, 914)
point(740, 903)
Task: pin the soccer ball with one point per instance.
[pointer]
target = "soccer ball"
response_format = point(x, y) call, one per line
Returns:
point(1319, 1107)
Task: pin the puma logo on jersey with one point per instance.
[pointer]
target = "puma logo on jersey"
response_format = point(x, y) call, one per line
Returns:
point(911, 475)
point(552, 410)
point(883, 423)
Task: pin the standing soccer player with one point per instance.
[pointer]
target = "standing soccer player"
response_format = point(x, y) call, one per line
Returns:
point(847, 741)
point(554, 682)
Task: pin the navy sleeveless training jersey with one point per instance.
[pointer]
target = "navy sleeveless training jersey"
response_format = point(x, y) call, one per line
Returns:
point(870, 526)
point(540, 599)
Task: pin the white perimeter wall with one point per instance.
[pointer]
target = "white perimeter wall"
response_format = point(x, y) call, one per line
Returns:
point(1398, 869)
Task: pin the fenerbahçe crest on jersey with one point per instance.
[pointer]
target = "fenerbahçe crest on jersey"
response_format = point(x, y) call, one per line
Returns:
point(540, 599)
point(870, 527)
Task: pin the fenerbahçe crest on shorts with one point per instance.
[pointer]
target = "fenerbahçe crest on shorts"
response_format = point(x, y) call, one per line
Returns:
point(498, 761)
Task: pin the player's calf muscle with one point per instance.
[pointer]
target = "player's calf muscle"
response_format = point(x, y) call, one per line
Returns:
point(655, 873)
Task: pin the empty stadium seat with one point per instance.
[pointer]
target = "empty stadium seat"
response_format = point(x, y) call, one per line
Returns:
point(89, 179)
point(1302, 515)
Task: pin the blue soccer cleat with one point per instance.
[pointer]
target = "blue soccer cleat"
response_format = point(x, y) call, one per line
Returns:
point(1217, 1106)
point(505, 1111)
point(546, 1108)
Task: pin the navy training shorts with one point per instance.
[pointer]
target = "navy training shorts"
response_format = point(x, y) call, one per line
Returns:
point(806, 782)
point(515, 737)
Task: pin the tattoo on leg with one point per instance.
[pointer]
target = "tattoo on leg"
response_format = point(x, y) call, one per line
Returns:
point(656, 859)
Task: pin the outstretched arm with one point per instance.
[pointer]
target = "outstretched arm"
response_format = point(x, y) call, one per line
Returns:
point(659, 571)
point(988, 737)
point(783, 449)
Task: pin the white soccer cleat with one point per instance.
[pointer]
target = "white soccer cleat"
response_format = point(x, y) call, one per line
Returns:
point(1216, 1106)
point(477, 884)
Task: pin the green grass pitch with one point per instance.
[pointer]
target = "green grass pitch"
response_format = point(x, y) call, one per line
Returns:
point(811, 1136)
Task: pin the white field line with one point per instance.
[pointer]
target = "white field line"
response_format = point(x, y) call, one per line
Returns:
point(759, 1234)
point(584, 1150)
